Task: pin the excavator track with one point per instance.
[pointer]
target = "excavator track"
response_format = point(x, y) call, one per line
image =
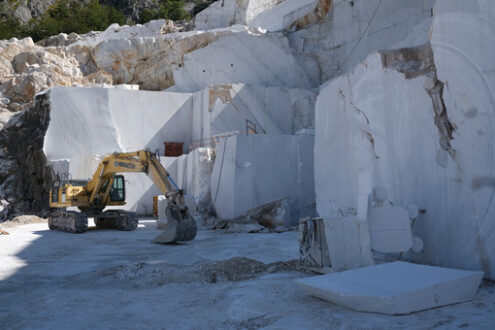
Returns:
point(118, 219)
point(68, 221)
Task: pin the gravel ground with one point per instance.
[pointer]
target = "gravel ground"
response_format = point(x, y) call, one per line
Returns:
point(108, 279)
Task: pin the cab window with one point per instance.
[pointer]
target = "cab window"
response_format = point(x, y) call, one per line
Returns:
point(117, 192)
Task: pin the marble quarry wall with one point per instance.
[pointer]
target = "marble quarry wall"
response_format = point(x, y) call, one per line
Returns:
point(253, 57)
point(88, 123)
point(354, 29)
point(271, 15)
point(257, 169)
point(96, 121)
point(420, 120)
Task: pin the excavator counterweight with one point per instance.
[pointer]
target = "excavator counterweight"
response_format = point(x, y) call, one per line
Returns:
point(107, 188)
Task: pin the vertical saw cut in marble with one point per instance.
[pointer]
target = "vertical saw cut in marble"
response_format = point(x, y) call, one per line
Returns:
point(194, 175)
point(222, 109)
point(348, 240)
point(80, 124)
point(463, 42)
point(353, 29)
point(254, 170)
point(364, 191)
point(146, 119)
point(253, 58)
point(395, 288)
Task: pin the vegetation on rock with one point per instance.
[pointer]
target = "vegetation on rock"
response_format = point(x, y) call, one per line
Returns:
point(171, 9)
point(69, 16)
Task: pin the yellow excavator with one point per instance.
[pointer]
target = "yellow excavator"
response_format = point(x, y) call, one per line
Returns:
point(107, 188)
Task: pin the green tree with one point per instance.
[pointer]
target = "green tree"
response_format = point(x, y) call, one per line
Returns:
point(169, 9)
point(67, 16)
point(9, 28)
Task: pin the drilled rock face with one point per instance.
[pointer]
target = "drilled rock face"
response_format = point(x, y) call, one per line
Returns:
point(24, 178)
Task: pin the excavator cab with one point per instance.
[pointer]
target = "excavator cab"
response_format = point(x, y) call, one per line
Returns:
point(117, 191)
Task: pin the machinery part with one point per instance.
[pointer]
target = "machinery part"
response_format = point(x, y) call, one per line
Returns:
point(106, 188)
point(118, 219)
point(68, 221)
point(180, 227)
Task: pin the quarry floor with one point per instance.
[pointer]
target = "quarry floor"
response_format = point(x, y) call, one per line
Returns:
point(108, 279)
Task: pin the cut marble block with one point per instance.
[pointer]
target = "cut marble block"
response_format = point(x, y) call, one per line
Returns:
point(390, 229)
point(348, 243)
point(395, 288)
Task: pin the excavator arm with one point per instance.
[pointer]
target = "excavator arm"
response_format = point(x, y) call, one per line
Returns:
point(142, 161)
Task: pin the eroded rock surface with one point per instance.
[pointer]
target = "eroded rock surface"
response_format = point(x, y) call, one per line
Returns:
point(24, 178)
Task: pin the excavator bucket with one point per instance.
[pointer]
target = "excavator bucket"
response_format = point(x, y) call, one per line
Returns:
point(180, 227)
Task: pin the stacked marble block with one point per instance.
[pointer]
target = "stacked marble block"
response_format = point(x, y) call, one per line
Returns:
point(352, 238)
point(394, 288)
point(389, 288)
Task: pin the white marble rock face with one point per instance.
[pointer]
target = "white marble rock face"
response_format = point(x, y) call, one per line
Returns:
point(348, 240)
point(255, 170)
point(354, 29)
point(88, 123)
point(271, 15)
point(254, 59)
point(376, 119)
